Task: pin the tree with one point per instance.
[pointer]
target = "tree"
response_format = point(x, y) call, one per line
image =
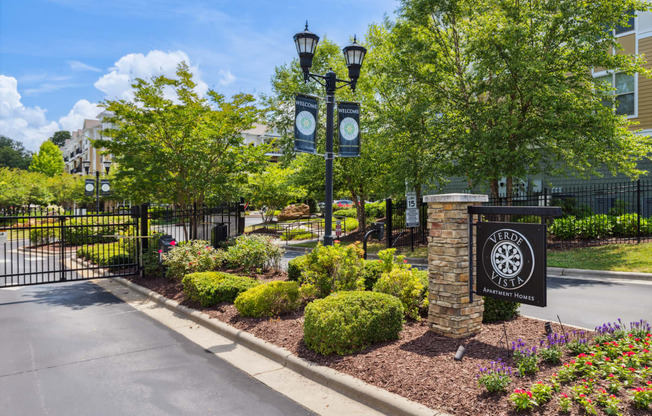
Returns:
point(273, 188)
point(22, 188)
point(13, 154)
point(171, 145)
point(59, 138)
point(513, 82)
point(48, 160)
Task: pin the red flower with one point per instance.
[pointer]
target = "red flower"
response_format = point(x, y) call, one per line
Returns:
point(173, 243)
point(529, 393)
point(589, 363)
point(404, 261)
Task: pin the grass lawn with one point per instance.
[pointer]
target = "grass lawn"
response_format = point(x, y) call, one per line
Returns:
point(615, 257)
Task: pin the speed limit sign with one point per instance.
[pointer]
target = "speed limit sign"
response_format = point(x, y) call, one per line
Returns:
point(411, 198)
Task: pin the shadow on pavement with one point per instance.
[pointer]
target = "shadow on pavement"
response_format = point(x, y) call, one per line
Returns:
point(73, 295)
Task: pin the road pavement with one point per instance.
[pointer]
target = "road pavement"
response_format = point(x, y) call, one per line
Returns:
point(75, 349)
point(589, 302)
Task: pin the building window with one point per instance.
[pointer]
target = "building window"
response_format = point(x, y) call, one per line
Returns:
point(630, 25)
point(623, 87)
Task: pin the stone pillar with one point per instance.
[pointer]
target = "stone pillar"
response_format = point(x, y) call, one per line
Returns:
point(450, 312)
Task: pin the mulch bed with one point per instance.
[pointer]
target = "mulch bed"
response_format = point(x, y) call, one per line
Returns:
point(419, 366)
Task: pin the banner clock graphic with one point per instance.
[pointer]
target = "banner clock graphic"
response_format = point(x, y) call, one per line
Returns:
point(306, 123)
point(349, 129)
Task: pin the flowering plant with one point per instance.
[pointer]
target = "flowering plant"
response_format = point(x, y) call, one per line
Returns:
point(496, 377)
point(642, 397)
point(191, 257)
point(526, 358)
point(551, 348)
point(522, 400)
point(565, 403)
point(541, 392)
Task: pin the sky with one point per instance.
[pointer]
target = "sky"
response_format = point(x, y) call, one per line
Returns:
point(60, 58)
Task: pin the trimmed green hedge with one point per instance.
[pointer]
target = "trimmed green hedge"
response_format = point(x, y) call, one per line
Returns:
point(269, 299)
point(211, 288)
point(347, 322)
point(109, 254)
point(90, 230)
point(296, 267)
point(499, 310)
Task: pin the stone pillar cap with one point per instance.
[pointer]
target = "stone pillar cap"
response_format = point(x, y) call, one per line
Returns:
point(456, 198)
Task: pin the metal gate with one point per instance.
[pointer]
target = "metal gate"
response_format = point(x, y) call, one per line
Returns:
point(44, 246)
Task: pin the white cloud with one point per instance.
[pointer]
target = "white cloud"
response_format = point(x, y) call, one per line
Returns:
point(28, 125)
point(226, 77)
point(80, 66)
point(117, 83)
point(82, 109)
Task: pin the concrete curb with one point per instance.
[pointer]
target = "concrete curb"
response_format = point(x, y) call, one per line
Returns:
point(563, 272)
point(372, 396)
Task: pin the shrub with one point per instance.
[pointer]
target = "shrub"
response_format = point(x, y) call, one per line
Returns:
point(191, 257)
point(406, 285)
point(349, 213)
point(334, 268)
point(109, 254)
point(151, 257)
point(211, 288)
point(375, 209)
point(295, 268)
point(44, 234)
point(90, 230)
point(297, 235)
point(348, 224)
point(269, 299)
point(347, 322)
point(499, 310)
point(254, 251)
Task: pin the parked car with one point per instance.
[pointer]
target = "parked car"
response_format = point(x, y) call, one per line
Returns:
point(343, 203)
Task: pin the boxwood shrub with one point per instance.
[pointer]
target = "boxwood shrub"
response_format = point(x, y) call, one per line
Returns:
point(269, 299)
point(499, 310)
point(211, 288)
point(296, 267)
point(347, 322)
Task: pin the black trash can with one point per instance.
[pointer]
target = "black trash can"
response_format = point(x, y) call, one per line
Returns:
point(219, 234)
point(165, 244)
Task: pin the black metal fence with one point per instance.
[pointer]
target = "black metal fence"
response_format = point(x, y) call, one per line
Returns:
point(397, 234)
point(53, 245)
point(593, 214)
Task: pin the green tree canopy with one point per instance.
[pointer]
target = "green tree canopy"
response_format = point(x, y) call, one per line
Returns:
point(273, 188)
point(48, 160)
point(171, 145)
point(13, 154)
point(513, 82)
point(59, 138)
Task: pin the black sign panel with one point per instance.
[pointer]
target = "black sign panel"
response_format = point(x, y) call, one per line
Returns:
point(305, 123)
point(89, 187)
point(105, 187)
point(348, 115)
point(511, 262)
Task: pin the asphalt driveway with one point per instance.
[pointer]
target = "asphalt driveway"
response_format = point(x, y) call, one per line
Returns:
point(74, 349)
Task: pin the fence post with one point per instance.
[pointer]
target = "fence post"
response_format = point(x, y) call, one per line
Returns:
point(144, 225)
point(241, 216)
point(638, 211)
point(388, 221)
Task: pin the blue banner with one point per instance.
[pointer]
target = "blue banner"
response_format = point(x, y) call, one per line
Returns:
point(305, 123)
point(349, 128)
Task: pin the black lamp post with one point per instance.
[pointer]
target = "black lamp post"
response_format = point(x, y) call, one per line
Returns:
point(306, 43)
point(107, 165)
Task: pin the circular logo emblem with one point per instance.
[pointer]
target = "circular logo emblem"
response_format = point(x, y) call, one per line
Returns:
point(349, 129)
point(105, 187)
point(306, 123)
point(89, 187)
point(508, 259)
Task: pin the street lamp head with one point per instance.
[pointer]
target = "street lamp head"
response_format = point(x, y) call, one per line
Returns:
point(354, 55)
point(87, 165)
point(107, 165)
point(306, 43)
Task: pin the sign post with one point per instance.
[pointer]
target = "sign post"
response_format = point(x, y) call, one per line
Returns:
point(411, 210)
point(3, 236)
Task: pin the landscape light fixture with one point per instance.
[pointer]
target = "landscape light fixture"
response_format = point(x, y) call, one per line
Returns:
point(306, 43)
point(548, 327)
point(460, 353)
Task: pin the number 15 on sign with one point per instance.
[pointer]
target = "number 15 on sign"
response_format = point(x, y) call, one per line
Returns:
point(411, 198)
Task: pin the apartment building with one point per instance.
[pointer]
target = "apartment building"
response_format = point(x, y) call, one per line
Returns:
point(79, 148)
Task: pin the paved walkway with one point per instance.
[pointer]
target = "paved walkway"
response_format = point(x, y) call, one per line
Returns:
point(75, 349)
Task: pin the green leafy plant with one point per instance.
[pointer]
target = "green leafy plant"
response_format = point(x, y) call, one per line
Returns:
point(642, 397)
point(334, 268)
point(496, 377)
point(499, 310)
point(191, 257)
point(255, 251)
point(565, 403)
point(405, 284)
point(522, 400)
point(295, 268)
point(269, 299)
point(526, 358)
point(122, 252)
point(541, 392)
point(211, 288)
point(346, 322)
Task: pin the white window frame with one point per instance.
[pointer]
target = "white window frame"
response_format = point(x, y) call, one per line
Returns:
point(613, 83)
